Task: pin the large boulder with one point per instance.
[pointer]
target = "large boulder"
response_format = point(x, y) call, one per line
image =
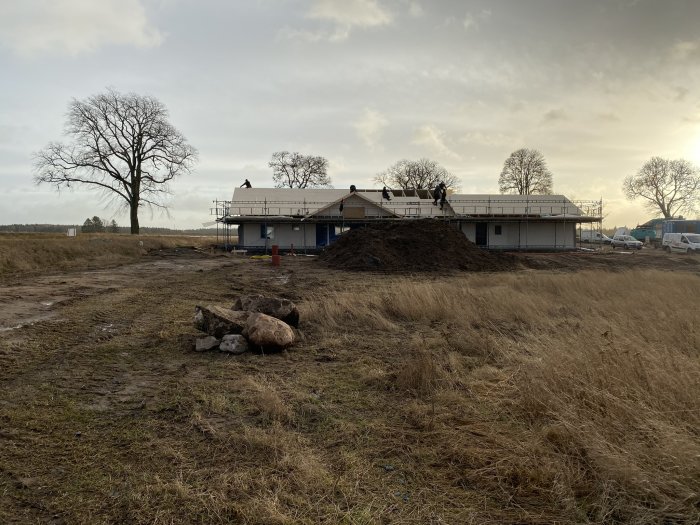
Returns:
point(234, 344)
point(219, 321)
point(282, 309)
point(268, 333)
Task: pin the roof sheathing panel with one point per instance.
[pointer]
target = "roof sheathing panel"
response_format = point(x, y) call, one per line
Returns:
point(296, 202)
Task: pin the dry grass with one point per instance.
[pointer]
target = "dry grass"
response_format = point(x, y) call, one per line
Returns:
point(589, 386)
point(522, 398)
point(33, 253)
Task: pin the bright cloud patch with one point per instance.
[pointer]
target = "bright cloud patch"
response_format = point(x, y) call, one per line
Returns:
point(434, 138)
point(370, 126)
point(362, 13)
point(687, 49)
point(415, 10)
point(34, 27)
point(348, 14)
point(472, 21)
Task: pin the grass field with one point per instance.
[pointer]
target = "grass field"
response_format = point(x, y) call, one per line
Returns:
point(23, 253)
point(530, 397)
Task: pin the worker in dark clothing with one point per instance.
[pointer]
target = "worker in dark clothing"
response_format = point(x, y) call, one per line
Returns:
point(443, 194)
point(437, 193)
point(385, 194)
point(246, 184)
point(353, 189)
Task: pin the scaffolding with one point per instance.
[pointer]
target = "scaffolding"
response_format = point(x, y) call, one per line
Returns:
point(526, 210)
point(220, 211)
point(594, 228)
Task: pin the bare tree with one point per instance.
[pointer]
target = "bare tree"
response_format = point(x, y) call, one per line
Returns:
point(293, 170)
point(669, 186)
point(122, 145)
point(416, 174)
point(525, 172)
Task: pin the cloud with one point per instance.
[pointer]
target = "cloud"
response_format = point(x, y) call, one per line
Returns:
point(686, 49)
point(434, 138)
point(608, 117)
point(347, 15)
point(692, 119)
point(472, 21)
point(487, 138)
point(554, 115)
point(415, 10)
point(73, 27)
point(370, 126)
point(680, 93)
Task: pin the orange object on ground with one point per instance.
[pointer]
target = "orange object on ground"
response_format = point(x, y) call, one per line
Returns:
point(276, 259)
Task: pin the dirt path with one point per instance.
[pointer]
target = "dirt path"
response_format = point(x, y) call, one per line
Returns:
point(28, 300)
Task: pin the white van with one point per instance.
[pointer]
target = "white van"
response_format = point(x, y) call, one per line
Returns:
point(594, 237)
point(682, 243)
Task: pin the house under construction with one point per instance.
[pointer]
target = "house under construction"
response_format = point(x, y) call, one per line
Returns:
point(309, 219)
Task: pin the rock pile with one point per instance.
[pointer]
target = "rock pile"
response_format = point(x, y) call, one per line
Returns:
point(253, 322)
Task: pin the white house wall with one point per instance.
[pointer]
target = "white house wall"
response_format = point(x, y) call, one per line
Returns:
point(284, 236)
point(514, 235)
point(543, 235)
point(533, 235)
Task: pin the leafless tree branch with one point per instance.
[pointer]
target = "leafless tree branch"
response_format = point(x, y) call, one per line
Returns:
point(121, 144)
point(668, 186)
point(525, 172)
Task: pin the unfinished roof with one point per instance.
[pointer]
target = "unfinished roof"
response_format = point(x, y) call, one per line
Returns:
point(528, 205)
point(295, 202)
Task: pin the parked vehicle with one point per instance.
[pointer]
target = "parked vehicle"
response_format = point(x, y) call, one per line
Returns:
point(682, 243)
point(595, 237)
point(627, 242)
point(655, 229)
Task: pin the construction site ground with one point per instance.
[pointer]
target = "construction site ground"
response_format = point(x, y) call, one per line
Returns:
point(108, 416)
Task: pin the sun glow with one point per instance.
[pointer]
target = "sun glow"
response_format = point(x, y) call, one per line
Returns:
point(694, 149)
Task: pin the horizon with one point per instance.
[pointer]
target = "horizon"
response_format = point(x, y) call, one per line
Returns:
point(598, 87)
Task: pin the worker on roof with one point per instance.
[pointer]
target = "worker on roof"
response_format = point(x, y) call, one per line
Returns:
point(385, 194)
point(247, 184)
point(438, 194)
point(443, 195)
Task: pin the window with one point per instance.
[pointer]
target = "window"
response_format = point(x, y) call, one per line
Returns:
point(341, 229)
point(498, 229)
point(267, 232)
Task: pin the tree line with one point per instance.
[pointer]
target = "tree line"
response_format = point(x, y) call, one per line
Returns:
point(123, 146)
point(524, 172)
point(63, 228)
point(97, 225)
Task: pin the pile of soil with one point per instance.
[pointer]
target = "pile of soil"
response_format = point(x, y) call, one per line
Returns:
point(425, 245)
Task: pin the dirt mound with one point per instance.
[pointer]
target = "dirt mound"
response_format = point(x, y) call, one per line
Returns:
point(425, 245)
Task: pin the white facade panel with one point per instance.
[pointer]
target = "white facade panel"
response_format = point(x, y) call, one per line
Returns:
point(547, 235)
point(284, 235)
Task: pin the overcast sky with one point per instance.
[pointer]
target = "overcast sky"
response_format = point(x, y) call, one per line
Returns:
point(598, 86)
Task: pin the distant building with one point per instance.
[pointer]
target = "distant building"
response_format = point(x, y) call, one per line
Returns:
point(310, 219)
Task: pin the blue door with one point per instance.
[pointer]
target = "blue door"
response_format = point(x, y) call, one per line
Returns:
point(481, 234)
point(321, 234)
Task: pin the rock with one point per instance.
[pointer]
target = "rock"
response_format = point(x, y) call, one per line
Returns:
point(205, 343)
point(234, 344)
point(219, 321)
point(282, 309)
point(268, 333)
point(199, 319)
